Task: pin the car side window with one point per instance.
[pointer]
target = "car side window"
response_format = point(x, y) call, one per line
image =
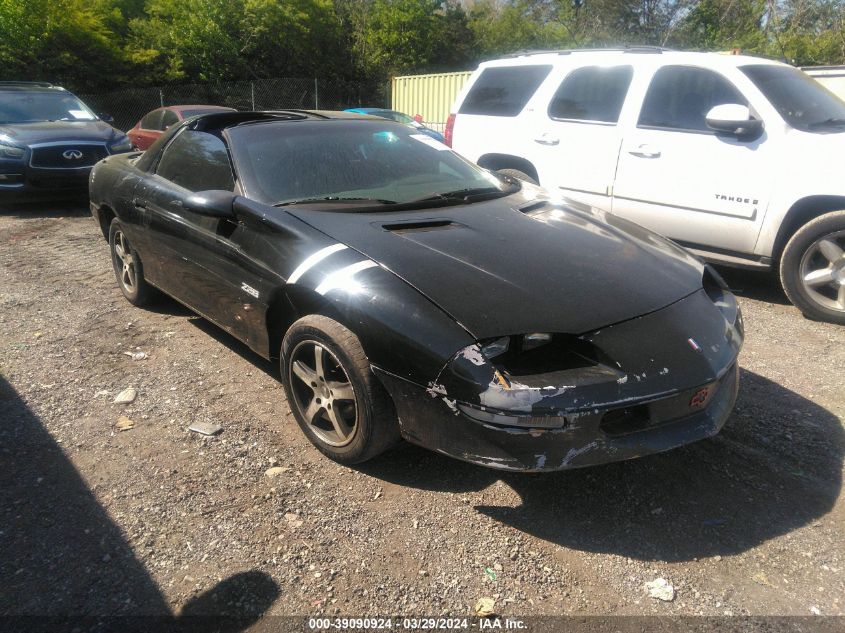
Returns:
point(504, 90)
point(151, 120)
point(197, 161)
point(680, 97)
point(592, 93)
point(168, 118)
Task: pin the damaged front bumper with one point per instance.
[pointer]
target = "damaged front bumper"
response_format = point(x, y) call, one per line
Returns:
point(586, 439)
point(643, 386)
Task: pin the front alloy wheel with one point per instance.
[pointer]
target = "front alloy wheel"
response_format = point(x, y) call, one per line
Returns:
point(323, 394)
point(823, 271)
point(333, 393)
point(812, 268)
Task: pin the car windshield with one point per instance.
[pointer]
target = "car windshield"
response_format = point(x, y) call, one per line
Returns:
point(803, 102)
point(351, 160)
point(36, 107)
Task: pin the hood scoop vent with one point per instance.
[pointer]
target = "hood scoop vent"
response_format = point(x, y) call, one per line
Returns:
point(534, 206)
point(420, 226)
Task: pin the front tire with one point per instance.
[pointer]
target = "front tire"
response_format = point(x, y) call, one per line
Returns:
point(127, 267)
point(812, 268)
point(336, 399)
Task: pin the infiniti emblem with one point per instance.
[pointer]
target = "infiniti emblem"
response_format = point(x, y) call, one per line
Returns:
point(72, 154)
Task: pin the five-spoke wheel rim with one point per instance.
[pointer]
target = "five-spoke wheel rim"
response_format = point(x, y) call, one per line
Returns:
point(124, 262)
point(323, 393)
point(823, 271)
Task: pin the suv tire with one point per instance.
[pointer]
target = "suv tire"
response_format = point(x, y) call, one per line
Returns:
point(812, 268)
point(519, 175)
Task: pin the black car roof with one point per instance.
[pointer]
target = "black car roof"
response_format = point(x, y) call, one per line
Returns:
point(29, 86)
point(222, 120)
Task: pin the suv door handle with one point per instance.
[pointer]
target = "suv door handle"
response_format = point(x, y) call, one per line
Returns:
point(645, 151)
point(139, 204)
point(547, 139)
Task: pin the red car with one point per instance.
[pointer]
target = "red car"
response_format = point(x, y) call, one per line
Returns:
point(153, 125)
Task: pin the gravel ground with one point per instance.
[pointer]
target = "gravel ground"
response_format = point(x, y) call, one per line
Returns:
point(158, 520)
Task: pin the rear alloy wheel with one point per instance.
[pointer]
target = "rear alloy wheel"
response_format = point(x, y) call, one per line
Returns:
point(127, 267)
point(813, 268)
point(336, 399)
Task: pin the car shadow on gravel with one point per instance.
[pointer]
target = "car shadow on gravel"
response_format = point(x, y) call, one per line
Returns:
point(53, 209)
point(776, 467)
point(754, 284)
point(62, 555)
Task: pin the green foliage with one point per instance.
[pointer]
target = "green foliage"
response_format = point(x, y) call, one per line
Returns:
point(96, 45)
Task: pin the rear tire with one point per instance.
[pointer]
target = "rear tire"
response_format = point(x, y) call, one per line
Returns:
point(519, 175)
point(812, 268)
point(336, 399)
point(128, 268)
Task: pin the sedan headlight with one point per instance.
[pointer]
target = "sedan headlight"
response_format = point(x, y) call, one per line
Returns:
point(523, 343)
point(11, 151)
point(721, 296)
point(123, 145)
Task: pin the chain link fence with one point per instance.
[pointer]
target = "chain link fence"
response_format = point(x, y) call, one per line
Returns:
point(128, 106)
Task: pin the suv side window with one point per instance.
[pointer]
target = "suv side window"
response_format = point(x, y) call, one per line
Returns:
point(504, 90)
point(592, 93)
point(679, 98)
point(169, 118)
point(151, 120)
point(197, 161)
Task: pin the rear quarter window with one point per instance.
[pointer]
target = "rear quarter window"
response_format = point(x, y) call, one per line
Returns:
point(592, 93)
point(504, 91)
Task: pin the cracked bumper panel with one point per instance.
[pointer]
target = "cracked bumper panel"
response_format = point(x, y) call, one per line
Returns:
point(585, 439)
point(643, 386)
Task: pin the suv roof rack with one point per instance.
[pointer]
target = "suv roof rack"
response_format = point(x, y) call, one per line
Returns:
point(34, 84)
point(568, 51)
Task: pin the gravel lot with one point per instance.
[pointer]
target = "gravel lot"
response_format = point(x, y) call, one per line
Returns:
point(157, 520)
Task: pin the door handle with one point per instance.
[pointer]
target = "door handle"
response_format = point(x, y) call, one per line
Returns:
point(177, 204)
point(547, 139)
point(645, 151)
point(139, 204)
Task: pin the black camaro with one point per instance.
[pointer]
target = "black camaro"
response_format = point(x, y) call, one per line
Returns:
point(409, 293)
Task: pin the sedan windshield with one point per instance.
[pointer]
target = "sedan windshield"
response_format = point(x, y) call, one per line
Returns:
point(36, 107)
point(355, 161)
point(802, 101)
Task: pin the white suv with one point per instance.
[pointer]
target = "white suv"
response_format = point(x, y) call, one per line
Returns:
point(735, 157)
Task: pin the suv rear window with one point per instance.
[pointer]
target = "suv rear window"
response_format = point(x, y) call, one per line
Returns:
point(592, 93)
point(504, 91)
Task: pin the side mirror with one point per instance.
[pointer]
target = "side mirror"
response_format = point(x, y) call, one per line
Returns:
point(733, 118)
point(213, 203)
point(107, 118)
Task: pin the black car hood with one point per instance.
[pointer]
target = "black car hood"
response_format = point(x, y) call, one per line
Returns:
point(57, 131)
point(498, 269)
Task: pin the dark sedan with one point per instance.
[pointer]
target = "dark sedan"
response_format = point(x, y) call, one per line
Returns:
point(49, 140)
point(409, 293)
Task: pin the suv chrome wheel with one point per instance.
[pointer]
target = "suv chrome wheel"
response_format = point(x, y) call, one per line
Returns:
point(823, 271)
point(323, 393)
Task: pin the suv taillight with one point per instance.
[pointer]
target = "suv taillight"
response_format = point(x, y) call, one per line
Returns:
point(449, 133)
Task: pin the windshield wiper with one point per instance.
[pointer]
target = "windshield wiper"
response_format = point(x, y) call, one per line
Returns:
point(832, 122)
point(333, 199)
point(462, 195)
